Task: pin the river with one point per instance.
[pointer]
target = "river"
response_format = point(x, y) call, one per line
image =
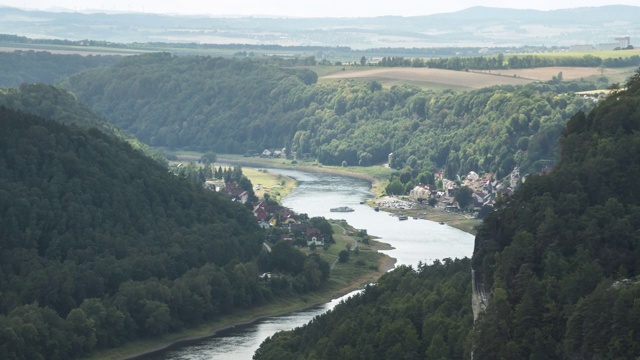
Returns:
point(413, 241)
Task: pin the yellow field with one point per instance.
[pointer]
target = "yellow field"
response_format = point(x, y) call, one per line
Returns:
point(568, 73)
point(264, 182)
point(436, 79)
point(428, 78)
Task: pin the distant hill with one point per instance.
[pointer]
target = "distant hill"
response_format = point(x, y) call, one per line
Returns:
point(478, 26)
point(20, 67)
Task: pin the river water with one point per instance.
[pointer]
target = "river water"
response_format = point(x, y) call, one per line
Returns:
point(413, 241)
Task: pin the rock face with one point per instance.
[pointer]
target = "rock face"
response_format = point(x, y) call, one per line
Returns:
point(479, 297)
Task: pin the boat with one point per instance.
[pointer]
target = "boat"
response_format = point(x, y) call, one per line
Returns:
point(341, 209)
point(403, 217)
point(441, 223)
point(361, 202)
point(377, 208)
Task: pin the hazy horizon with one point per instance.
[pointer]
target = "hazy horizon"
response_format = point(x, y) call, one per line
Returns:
point(288, 8)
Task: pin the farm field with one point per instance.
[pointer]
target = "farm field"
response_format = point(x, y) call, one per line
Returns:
point(428, 78)
point(437, 79)
point(568, 73)
point(69, 50)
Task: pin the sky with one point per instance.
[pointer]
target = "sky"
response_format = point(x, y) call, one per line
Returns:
point(301, 8)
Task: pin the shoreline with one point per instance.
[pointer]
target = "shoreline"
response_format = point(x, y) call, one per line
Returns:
point(458, 221)
point(423, 212)
point(243, 317)
point(266, 163)
point(385, 264)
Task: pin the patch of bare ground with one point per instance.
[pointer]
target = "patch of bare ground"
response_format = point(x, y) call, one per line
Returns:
point(462, 79)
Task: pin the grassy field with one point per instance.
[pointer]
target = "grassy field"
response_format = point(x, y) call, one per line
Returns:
point(264, 182)
point(427, 78)
point(365, 263)
point(68, 49)
point(438, 79)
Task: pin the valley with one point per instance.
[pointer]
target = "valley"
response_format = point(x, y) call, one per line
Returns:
point(169, 178)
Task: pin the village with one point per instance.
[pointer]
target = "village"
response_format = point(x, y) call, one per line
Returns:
point(444, 203)
point(281, 223)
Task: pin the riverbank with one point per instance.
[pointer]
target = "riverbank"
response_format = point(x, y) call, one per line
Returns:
point(256, 162)
point(375, 176)
point(437, 214)
point(364, 268)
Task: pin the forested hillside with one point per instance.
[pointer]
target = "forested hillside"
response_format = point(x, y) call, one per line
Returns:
point(20, 67)
point(100, 245)
point(561, 258)
point(553, 251)
point(201, 103)
point(245, 106)
point(50, 102)
point(408, 314)
point(53, 103)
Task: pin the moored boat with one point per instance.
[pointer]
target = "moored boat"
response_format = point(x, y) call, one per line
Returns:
point(341, 209)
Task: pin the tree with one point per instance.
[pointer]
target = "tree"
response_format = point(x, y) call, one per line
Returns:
point(323, 225)
point(395, 188)
point(83, 336)
point(464, 196)
point(343, 256)
point(209, 157)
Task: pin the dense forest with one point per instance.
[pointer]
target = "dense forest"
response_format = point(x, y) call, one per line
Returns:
point(20, 67)
point(561, 257)
point(408, 314)
point(101, 245)
point(245, 106)
point(554, 251)
point(53, 103)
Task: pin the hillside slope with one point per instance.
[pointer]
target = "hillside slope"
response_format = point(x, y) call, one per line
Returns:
point(54, 103)
point(100, 244)
point(561, 257)
point(245, 106)
point(552, 252)
point(19, 67)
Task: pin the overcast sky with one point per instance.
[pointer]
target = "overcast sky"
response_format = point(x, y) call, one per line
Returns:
point(302, 8)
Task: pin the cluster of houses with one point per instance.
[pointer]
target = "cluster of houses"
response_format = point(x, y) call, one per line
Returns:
point(230, 190)
point(293, 228)
point(485, 190)
point(271, 153)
